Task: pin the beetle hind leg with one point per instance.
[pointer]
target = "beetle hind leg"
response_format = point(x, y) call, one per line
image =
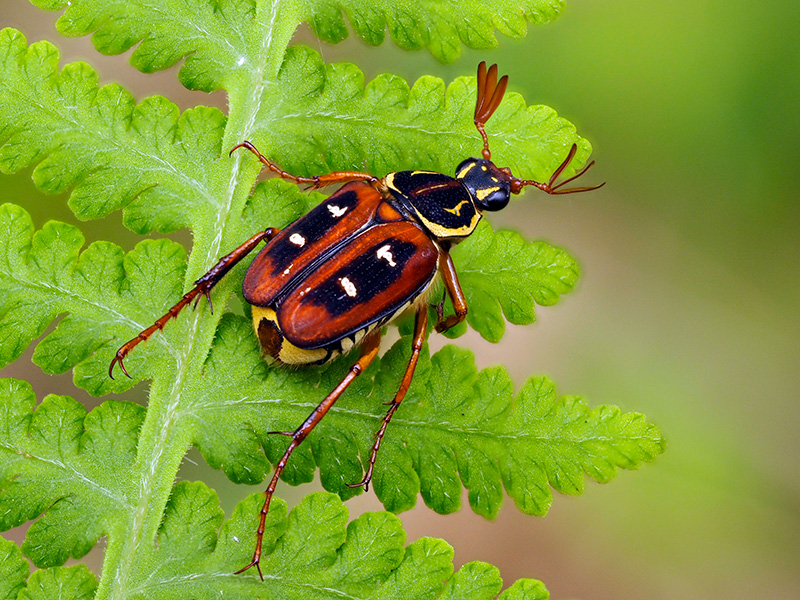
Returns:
point(369, 349)
point(203, 286)
point(420, 329)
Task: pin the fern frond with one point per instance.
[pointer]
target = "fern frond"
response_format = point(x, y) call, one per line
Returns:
point(441, 27)
point(323, 118)
point(220, 36)
point(98, 141)
point(457, 427)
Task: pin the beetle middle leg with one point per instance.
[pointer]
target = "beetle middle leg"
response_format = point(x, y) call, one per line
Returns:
point(453, 288)
point(420, 329)
point(369, 349)
point(316, 181)
point(202, 286)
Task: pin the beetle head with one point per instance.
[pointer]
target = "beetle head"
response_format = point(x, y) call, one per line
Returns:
point(489, 186)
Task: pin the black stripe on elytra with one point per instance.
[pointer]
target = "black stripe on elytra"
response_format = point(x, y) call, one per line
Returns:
point(313, 226)
point(365, 276)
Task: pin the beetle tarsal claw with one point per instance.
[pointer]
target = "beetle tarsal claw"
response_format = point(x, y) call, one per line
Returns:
point(118, 360)
point(256, 564)
point(363, 483)
point(286, 433)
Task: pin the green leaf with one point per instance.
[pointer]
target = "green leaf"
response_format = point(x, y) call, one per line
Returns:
point(221, 36)
point(323, 118)
point(98, 141)
point(440, 27)
point(501, 271)
point(466, 429)
point(70, 583)
point(475, 580)
point(13, 570)
point(525, 589)
point(222, 41)
point(311, 553)
point(69, 465)
point(106, 294)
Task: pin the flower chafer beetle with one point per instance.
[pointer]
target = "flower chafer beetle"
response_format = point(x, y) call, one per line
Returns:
point(372, 250)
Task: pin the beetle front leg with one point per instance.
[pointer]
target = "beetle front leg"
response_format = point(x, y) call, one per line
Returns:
point(369, 349)
point(420, 329)
point(202, 286)
point(316, 181)
point(450, 278)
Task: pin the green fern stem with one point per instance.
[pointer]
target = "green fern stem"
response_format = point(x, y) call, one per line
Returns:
point(163, 442)
point(161, 449)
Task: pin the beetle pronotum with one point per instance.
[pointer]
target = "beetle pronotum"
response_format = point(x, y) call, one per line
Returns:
point(329, 281)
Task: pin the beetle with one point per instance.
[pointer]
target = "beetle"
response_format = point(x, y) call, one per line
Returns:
point(371, 251)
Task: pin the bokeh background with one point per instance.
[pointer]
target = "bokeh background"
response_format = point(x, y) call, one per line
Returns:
point(687, 309)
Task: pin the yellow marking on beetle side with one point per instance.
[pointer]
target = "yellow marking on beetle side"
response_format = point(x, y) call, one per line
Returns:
point(481, 194)
point(442, 232)
point(457, 209)
point(465, 170)
point(289, 354)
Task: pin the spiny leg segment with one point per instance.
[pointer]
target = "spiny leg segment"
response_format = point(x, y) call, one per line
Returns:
point(316, 181)
point(202, 286)
point(420, 330)
point(369, 349)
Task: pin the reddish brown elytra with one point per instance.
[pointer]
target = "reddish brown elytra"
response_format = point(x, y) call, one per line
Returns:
point(328, 282)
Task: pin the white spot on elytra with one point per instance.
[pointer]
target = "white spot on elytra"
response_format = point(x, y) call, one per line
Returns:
point(337, 211)
point(297, 239)
point(385, 253)
point(349, 288)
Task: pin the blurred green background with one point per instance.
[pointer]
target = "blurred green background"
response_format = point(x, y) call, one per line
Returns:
point(687, 309)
